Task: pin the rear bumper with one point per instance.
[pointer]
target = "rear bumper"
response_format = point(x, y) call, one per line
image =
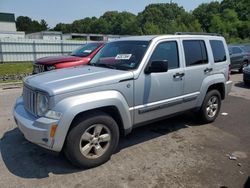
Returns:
point(228, 87)
point(36, 130)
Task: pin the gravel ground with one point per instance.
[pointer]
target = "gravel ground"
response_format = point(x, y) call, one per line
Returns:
point(177, 152)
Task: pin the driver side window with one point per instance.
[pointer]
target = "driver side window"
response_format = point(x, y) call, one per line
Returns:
point(167, 51)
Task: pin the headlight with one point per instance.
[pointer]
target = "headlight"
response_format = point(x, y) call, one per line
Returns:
point(51, 67)
point(53, 114)
point(42, 104)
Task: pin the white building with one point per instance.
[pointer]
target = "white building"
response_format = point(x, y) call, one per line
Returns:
point(45, 35)
point(8, 27)
point(7, 22)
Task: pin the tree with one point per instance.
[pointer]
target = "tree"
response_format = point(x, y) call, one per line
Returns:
point(205, 12)
point(65, 28)
point(44, 25)
point(24, 23)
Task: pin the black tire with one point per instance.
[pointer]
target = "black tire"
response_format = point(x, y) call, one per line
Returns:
point(203, 112)
point(247, 83)
point(72, 146)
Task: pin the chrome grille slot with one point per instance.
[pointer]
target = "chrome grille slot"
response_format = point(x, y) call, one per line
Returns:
point(29, 99)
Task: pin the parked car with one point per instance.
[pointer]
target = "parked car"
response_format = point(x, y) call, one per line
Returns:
point(247, 47)
point(130, 82)
point(246, 75)
point(80, 56)
point(240, 57)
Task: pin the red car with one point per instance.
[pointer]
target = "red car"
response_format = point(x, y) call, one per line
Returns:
point(81, 56)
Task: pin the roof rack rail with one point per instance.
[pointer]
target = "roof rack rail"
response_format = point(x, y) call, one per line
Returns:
point(197, 33)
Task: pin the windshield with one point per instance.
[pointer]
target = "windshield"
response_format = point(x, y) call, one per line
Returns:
point(247, 47)
point(123, 55)
point(85, 50)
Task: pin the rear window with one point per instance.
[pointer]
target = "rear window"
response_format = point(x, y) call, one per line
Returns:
point(195, 52)
point(218, 50)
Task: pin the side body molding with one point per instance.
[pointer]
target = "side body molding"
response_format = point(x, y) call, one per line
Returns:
point(72, 106)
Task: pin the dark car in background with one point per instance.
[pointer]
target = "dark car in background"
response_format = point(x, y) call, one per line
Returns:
point(246, 75)
point(239, 56)
point(247, 47)
point(80, 56)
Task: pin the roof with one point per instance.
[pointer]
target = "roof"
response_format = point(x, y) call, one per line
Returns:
point(151, 37)
point(140, 38)
point(7, 17)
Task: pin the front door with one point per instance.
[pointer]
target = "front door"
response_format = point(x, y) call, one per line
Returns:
point(159, 94)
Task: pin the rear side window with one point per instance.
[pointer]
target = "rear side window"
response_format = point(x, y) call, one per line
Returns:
point(195, 52)
point(218, 50)
point(167, 51)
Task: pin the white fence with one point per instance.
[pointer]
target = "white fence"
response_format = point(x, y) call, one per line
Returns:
point(19, 50)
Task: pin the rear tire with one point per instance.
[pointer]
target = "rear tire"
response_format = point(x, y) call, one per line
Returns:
point(92, 140)
point(210, 107)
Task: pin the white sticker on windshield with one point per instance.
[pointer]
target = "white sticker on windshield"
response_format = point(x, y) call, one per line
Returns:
point(123, 56)
point(87, 51)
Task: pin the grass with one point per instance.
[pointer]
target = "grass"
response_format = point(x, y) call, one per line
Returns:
point(15, 68)
point(11, 82)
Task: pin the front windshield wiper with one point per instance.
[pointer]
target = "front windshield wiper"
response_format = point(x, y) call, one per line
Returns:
point(103, 65)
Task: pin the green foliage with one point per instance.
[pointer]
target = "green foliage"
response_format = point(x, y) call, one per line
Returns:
point(231, 18)
point(24, 23)
point(15, 68)
point(205, 12)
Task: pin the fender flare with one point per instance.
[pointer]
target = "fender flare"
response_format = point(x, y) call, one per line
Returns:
point(207, 82)
point(72, 106)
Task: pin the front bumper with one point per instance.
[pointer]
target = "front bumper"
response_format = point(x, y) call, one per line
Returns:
point(228, 87)
point(36, 130)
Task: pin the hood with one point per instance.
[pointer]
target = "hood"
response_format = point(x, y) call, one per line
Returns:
point(77, 78)
point(57, 59)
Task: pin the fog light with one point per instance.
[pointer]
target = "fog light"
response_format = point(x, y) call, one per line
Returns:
point(53, 130)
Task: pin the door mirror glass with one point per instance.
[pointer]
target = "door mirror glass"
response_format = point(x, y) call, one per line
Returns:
point(157, 67)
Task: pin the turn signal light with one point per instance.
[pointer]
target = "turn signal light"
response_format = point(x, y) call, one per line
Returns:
point(53, 130)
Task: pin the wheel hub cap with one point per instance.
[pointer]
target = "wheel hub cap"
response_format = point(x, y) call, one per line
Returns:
point(212, 106)
point(95, 141)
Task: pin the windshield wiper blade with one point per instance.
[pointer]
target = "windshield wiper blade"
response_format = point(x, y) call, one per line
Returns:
point(105, 65)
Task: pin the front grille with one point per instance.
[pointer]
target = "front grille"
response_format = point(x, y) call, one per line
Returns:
point(38, 68)
point(29, 99)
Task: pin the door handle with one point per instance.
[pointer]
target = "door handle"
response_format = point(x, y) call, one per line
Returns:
point(179, 75)
point(207, 70)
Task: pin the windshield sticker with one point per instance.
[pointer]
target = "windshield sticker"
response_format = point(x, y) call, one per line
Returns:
point(87, 51)
point(123, 56)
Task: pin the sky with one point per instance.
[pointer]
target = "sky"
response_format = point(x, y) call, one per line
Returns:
point(66, 11)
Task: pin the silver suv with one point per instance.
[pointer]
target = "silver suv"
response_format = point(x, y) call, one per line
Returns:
point(83, 111)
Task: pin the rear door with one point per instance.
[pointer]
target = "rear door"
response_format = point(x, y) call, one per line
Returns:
point(197, 68)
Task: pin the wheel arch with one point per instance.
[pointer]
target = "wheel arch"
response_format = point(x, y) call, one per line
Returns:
point(111, 102)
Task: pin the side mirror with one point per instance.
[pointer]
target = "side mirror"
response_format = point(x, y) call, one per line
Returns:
point(157, 67)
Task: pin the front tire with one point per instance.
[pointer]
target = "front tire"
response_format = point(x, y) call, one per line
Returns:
point(210, 107)
point(92, 140)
